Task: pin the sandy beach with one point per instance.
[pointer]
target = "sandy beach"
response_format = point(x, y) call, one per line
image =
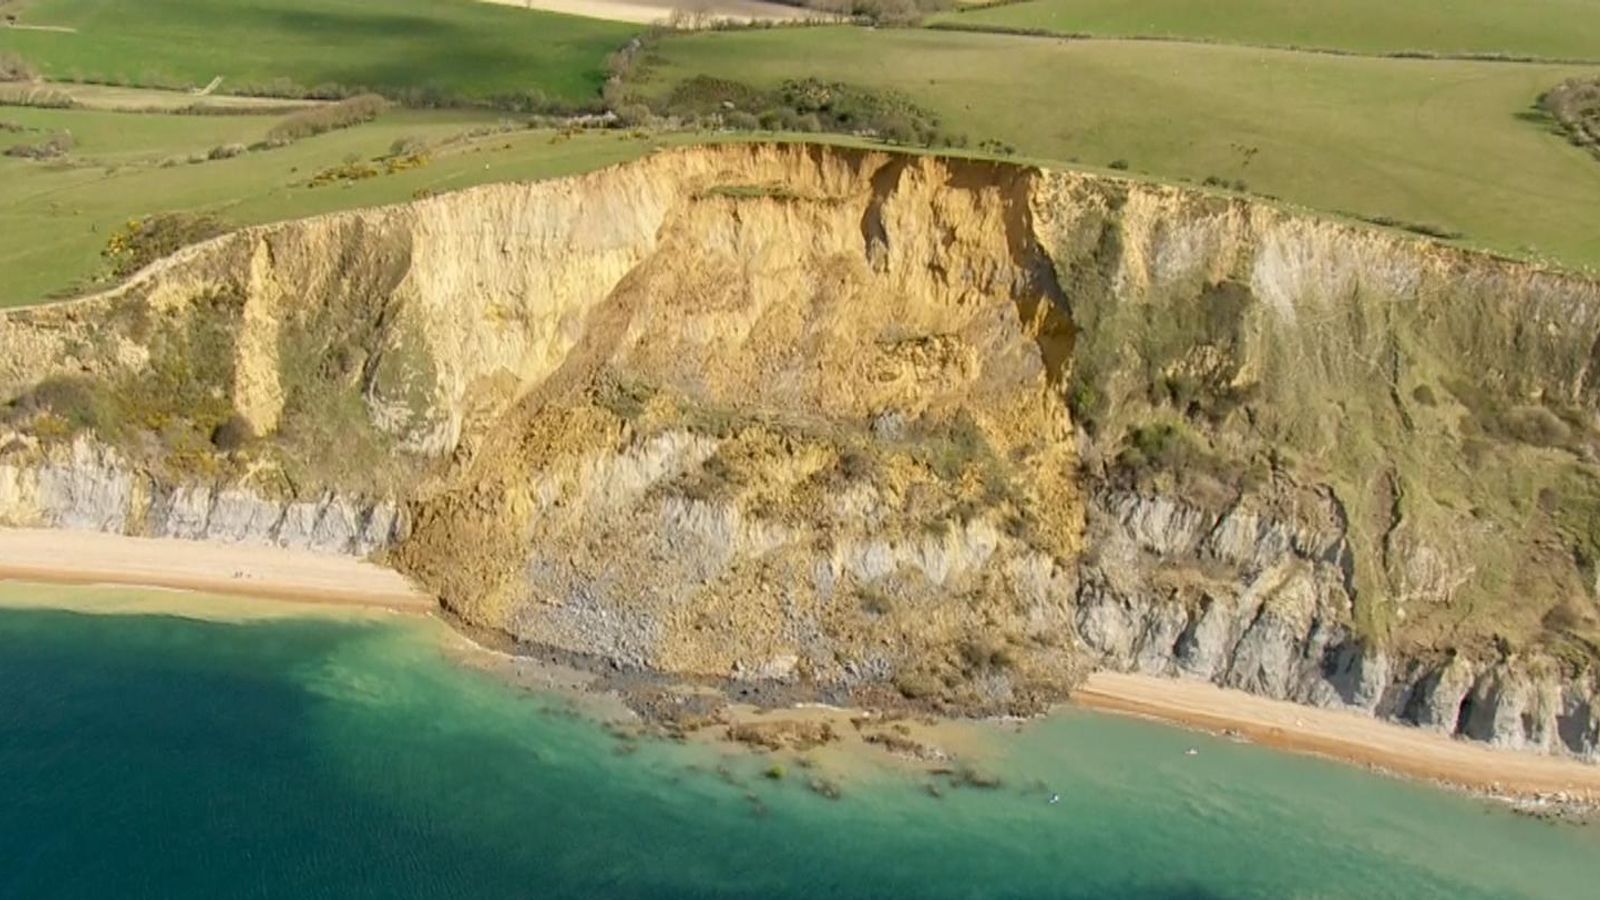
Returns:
point(85, 557)
point(79, 557)
point(1347, 736)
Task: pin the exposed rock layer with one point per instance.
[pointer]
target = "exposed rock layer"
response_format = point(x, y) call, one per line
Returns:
point(867, 421)
point(1252, 603)
point(92, 488)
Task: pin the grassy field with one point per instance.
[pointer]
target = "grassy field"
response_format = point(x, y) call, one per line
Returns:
point(447, 48)
point(1545, 29)
point(1450, 144)
point(67, 210)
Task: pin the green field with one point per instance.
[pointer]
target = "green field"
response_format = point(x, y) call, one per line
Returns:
point(436, 49)
point(57, 216)
point(1545, 29)
point(1449, 144)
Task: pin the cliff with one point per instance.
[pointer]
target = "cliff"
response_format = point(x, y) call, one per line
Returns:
point(950, 430)
point(90, 487)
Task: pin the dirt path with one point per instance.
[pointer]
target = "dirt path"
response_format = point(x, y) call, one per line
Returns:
point(650, 12)
point(1342, 735)
point(84, 557)
point(59, 29)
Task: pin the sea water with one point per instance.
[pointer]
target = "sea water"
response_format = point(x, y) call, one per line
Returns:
point(166, 757)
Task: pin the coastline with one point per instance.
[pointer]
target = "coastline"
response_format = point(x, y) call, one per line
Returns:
point(1346, 736)
point(88, 558)
point(55, 557)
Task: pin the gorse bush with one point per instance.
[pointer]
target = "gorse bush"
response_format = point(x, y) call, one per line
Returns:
point(141, 242)
point(319, 120)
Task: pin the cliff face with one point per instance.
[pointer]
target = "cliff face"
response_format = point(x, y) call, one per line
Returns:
point(1261, 605)
point(89, 487)
point(954, 430)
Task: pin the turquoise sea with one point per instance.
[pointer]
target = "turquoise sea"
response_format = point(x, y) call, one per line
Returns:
point(163, 757)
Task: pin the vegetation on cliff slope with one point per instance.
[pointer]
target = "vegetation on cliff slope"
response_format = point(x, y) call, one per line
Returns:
point(1462, 452)
point(174, 413)
point(127, 166)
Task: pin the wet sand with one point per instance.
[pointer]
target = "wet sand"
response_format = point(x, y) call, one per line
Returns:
point(1342, 735)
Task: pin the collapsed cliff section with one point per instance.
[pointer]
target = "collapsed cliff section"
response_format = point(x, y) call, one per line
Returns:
point(817, 434)
point(944, 429)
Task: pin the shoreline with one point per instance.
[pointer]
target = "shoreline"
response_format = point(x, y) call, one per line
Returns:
point(1516, 776)
point(47, 556)
point(50, 556)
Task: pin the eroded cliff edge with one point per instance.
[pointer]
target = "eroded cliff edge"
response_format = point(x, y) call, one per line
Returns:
point(947, 430)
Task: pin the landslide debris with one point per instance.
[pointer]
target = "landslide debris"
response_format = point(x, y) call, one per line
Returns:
point(948, 431)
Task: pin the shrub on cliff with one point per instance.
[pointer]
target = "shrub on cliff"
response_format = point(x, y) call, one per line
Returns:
point(77, 401)
point(141, 242)
point(1162, 445)
point(235, 433)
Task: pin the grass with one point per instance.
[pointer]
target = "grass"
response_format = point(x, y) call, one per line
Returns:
point(69, 210)
point(423, 49)
point(1543, 29)
point(1449, 145)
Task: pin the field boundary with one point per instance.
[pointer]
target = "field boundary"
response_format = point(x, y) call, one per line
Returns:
point(1086, 37)
point(143, 100)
